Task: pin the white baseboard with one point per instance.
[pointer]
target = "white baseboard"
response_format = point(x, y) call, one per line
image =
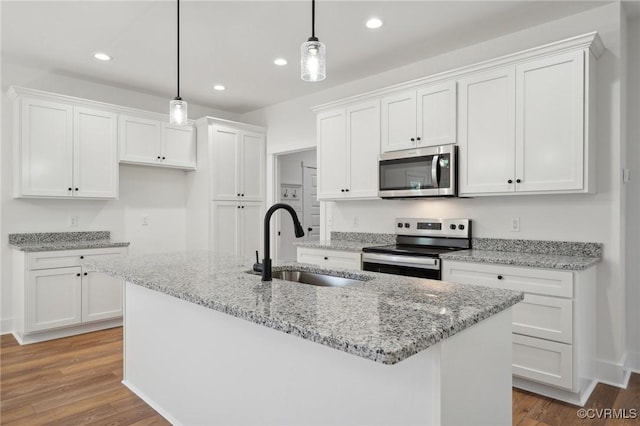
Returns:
point(6, 325)
point(151, 403)
point(614, 373)
point(633, 362)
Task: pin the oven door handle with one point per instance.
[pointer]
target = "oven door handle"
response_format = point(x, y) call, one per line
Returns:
point(434, 171)
point(410, 261)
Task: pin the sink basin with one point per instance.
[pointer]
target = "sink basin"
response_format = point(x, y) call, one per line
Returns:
point(314, 279)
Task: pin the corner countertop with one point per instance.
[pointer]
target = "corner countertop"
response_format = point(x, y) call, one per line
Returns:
point(384, 318)
point(55, 241)
point(534, 260)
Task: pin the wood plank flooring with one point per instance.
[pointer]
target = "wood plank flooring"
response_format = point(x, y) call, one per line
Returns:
point(77, 381)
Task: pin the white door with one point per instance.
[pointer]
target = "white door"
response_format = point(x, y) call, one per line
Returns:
point(252, 166)
point(363, 142)
point(310, 204)
point(224, 227)
point(550, 123)
point(53, 298)
point(95, 153)
point(140, 140)
point(178, 146)
point(398, 121)
point(251, 228)
point(436, 114)
point(486, 148)
point(101, 296)
point(46, 148)
point(225, 159)
point(332, 154)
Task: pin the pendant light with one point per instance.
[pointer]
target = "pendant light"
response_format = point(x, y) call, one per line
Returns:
point(313, 58)
point(178, 107)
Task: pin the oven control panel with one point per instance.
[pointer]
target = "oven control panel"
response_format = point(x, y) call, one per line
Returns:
point(452, 228)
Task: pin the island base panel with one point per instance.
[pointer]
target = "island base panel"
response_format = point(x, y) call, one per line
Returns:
point(198, 366)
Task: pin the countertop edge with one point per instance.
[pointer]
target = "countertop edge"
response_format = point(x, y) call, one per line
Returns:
point(87, 247)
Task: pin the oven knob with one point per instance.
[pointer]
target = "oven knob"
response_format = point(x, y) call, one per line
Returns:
point(452, 226)
point(406, 225)
point(399, 224)
point(461, 227)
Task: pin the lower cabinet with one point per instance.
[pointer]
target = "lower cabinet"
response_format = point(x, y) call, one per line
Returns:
point(236, 227)
point(55, 297)
point(330, 258)
point(553, 341)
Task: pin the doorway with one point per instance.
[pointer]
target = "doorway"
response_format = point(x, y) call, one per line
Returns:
point(296, 186)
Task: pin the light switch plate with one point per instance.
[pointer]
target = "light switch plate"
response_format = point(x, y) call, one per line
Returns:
point(145, 220)
point(73, 221)
point(515, 224)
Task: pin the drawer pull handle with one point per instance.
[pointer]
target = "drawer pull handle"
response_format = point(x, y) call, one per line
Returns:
point(85, 274)
point(81, 257)
point(499, 277)
point(78, 274)
point(326, 258)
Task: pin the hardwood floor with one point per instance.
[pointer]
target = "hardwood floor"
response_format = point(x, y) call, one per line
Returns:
point(76, 381)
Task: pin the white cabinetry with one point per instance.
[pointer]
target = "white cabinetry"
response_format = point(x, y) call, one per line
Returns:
point(55, 297)
point(64, 150)
point(425, 116)
point(330, 258)
point(553, 342)
point(236, 228)
point(348, 147)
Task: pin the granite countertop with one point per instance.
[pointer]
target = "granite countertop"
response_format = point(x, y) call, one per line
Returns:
point(355, 246)
point(536, 260)
point(384, 318)
point(54, 241)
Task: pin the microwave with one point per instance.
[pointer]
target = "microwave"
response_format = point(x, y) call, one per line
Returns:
point(420, 172)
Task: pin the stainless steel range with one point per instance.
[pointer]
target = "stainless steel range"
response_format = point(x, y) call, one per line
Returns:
point(419, 244)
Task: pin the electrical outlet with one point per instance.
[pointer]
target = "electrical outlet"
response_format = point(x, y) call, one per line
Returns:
point(145, 220)
point(356, 221)
point(73, 221)
point(626, 175)
point(329, 220)
point(515, 224)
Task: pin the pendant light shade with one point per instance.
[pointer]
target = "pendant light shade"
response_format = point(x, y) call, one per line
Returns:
point(177, 107)
point(313, 63)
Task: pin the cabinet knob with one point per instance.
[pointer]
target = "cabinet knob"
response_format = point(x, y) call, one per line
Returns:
point(238, 206)
point(242, 195)
point(81, 257)
point(326, 258)
point(164, 158)
point(413, 139)
point(499, 277)
point(418, 138)
point(346, 190)
point(70, 189)
point(76, 189)
point(78, 274)
point(158, 157)
point(85, 274)
point(309, 229)
point(242, 207)
point(238, 195)
point(518, 181)
point(510, 181)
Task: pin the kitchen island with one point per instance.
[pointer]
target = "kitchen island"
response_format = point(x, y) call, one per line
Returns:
point(208, 343)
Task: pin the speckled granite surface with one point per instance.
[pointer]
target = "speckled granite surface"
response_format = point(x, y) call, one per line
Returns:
point(535, 260)
point(350, 241)
point(562, 248)
point(384, 318)
point(52, 241)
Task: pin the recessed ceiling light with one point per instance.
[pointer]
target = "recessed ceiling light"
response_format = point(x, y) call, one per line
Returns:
point(219, 87)
point(280, 61)
point(374, 23)
point(102, 56)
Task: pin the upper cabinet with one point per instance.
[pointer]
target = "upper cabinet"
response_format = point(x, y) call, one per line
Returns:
point(425, 116)
point(349, 145)
point(64, 150)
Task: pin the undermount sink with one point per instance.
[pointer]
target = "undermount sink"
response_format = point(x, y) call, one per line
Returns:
point(314, 279)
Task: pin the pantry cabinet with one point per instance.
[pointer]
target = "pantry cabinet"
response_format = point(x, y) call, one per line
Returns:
point(236, 227)
point(348, 147)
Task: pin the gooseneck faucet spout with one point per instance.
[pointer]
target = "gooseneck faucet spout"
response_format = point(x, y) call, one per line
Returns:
point(266, 262)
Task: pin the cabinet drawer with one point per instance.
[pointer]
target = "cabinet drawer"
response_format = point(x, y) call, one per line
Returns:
point(545, 317)
point(68, 258)
point(543, 361)
point(330, 258)
point(529, 280)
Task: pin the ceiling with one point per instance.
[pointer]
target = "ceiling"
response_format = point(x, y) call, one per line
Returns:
point(235, 42)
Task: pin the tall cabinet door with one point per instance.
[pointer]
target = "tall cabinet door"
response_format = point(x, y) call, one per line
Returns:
point(46, 148)
point(550, 123)
point(140, 140)
point(95, 148)
point(252, 168)
point(251, 229)
point(178, 146)
point(487, 132)
point(332, 154)
point(437, 114)
point(225, 158)
point(363, 142)
point(53, 298)
point(398, 121)
point(224, 227)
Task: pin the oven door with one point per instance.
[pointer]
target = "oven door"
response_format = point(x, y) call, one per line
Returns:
point(422, 172)
point(422, 267)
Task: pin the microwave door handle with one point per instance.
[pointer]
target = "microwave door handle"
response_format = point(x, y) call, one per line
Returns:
point(434, 171)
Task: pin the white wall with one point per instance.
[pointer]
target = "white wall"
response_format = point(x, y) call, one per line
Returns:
point(290, 167)
point(158, 193)
point(291, 125)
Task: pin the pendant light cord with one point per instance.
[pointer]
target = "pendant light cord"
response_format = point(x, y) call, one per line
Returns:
point(313, 19)
point(178, 44)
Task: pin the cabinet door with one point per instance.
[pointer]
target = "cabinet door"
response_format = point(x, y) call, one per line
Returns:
point(101, 296)
point(252, 166)
point(398, 121)
point(550, 123)
point(224, 228)
point(251, 229)
point(346, 260)
point(140, 140)
point(332, 154)
point(486, 149)
point(53, 298)
point(46, 149)
point(437, 114)
point(313, 257)
point(224, 170)
point(178, 146)
point(363, 142)
point(95, 154)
